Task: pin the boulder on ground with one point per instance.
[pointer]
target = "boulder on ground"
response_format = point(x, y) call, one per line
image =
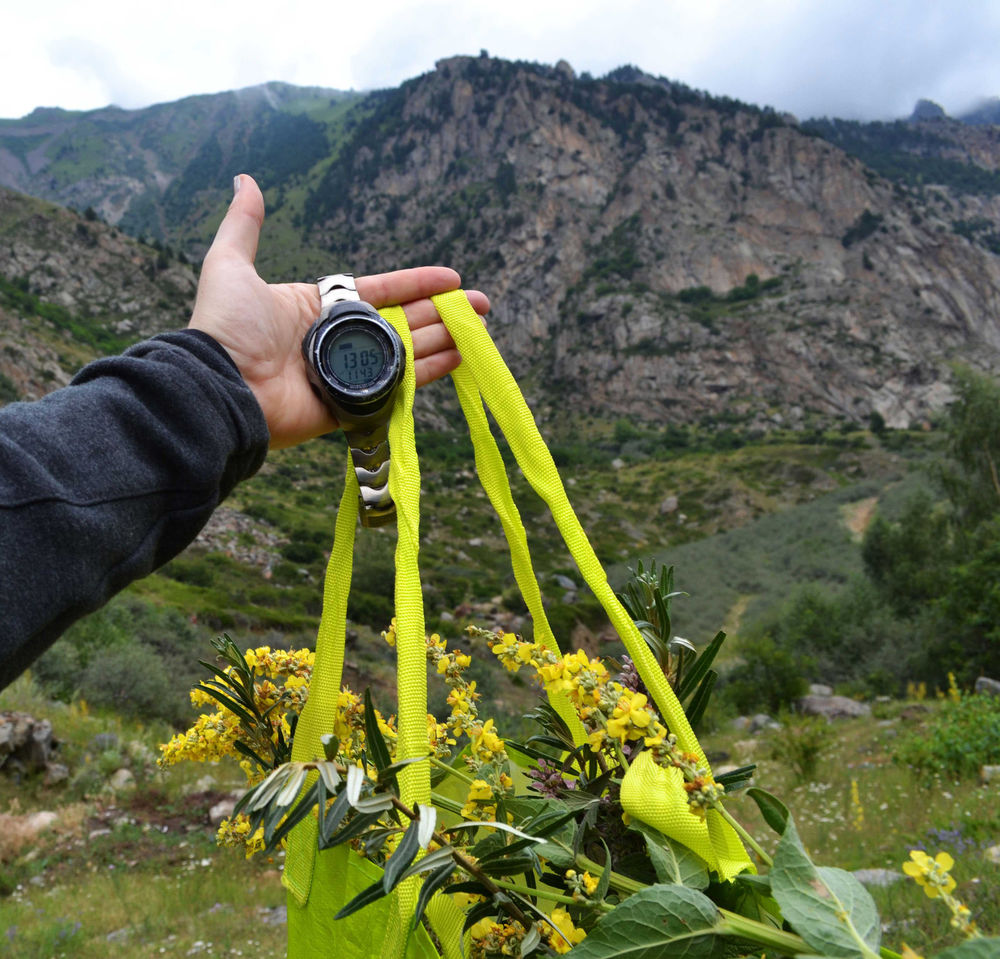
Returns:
point(987, 686)
point(26, 744)
point(832, 707)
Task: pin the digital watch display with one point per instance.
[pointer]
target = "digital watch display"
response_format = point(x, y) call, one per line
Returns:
point(355, 361)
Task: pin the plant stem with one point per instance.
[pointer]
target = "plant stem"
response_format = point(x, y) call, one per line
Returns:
point(744, 835)
point(451, 770)
point(734, 924)
point(446, 803)
point(544, 892)
point(618, 881)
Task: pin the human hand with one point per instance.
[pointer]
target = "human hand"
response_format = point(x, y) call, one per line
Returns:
point(261, 325)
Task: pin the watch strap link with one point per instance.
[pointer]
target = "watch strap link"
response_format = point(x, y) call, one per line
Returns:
point(370, 456)
point(336, 288)
point(369, 449)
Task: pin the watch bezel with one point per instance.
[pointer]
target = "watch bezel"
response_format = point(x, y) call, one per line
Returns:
point(358, 402)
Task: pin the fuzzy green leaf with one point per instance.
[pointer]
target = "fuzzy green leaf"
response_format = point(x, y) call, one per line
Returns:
point(973, 949)
point(658, 921)
point(673, 862)
point(774, 811)
point(828, 908)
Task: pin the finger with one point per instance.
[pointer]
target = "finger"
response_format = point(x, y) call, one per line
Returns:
point(431, 339)
point(480, 301)
point(433, 367)
point(421, 313)
point(402, 286)
point(239, 231)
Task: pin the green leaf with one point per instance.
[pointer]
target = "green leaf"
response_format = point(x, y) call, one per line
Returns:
point(828, 908)
point(244, 750)
point(656, 922)
point(699, 701)
point(374, 740)
point(973, 949)
point(354, 828)
point(367, 896)
point(673, 862)
point(694, 675)
point(737, 779)
point(296, 816)
point(222, 696)
point(774, 811)
point(560, 858)
point(605, 881)
point(537, 828)
point(433, 882)
point(476, 913)
point(400, 860)
point(509, 865)
point(330, 819)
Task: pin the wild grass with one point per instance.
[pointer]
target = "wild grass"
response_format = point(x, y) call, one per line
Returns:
point(862, 809)
point(138, 873)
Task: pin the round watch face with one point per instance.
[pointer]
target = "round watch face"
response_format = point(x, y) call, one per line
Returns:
point(355, 356)
point(354, 361)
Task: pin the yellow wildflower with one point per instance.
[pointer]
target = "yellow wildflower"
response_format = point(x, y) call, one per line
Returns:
point(932, 874)
point(487, 744)
point(236, 832)
point(630, 718)
point(562, 921)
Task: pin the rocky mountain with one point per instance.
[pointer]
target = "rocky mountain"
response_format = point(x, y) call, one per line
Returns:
point(146, 170)
point(72, 288)
point(650, 250)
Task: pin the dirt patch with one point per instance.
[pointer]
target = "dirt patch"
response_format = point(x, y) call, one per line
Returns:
point(858, 516)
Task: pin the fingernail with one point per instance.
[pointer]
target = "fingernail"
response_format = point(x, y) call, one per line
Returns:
point(236, 184)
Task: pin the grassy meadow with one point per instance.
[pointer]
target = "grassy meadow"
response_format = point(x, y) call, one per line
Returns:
point(138, 873)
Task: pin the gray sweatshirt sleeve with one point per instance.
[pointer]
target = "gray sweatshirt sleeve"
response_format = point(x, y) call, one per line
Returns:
point(107, 479)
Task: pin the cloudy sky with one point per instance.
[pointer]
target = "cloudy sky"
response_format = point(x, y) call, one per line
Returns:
point(866, 59)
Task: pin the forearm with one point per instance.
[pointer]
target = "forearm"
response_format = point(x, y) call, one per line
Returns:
point(104, 481)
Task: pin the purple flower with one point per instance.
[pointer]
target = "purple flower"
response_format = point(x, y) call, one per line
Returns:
point(549, 780)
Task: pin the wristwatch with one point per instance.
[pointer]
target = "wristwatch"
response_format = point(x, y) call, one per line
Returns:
point(355, 361)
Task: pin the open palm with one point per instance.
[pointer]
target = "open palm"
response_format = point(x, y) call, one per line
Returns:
point(261, 325)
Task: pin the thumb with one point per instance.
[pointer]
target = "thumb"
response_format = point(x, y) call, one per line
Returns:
point(240, 228)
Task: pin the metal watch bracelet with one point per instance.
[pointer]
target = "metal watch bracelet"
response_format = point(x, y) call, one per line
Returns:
point(369, 448)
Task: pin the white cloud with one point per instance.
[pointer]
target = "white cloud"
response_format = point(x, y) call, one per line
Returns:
point(852, 58)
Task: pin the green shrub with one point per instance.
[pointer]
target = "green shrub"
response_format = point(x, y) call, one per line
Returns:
point(132, 680)
point(371, 609)
point(771, 678)
point(801, 743)
point(962, 736)
point(130, 655)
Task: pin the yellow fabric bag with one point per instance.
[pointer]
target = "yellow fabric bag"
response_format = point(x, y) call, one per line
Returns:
point(317, 883)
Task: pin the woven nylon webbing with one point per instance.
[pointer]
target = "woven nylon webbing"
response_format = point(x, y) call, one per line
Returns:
point(320, 711)
point(713, 839)
point(493, 476)
point(648, 792)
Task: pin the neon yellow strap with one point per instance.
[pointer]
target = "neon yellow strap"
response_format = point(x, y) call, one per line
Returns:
point(320, 711)
point(493, 476)
point(648, 792)
point(482, 362)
